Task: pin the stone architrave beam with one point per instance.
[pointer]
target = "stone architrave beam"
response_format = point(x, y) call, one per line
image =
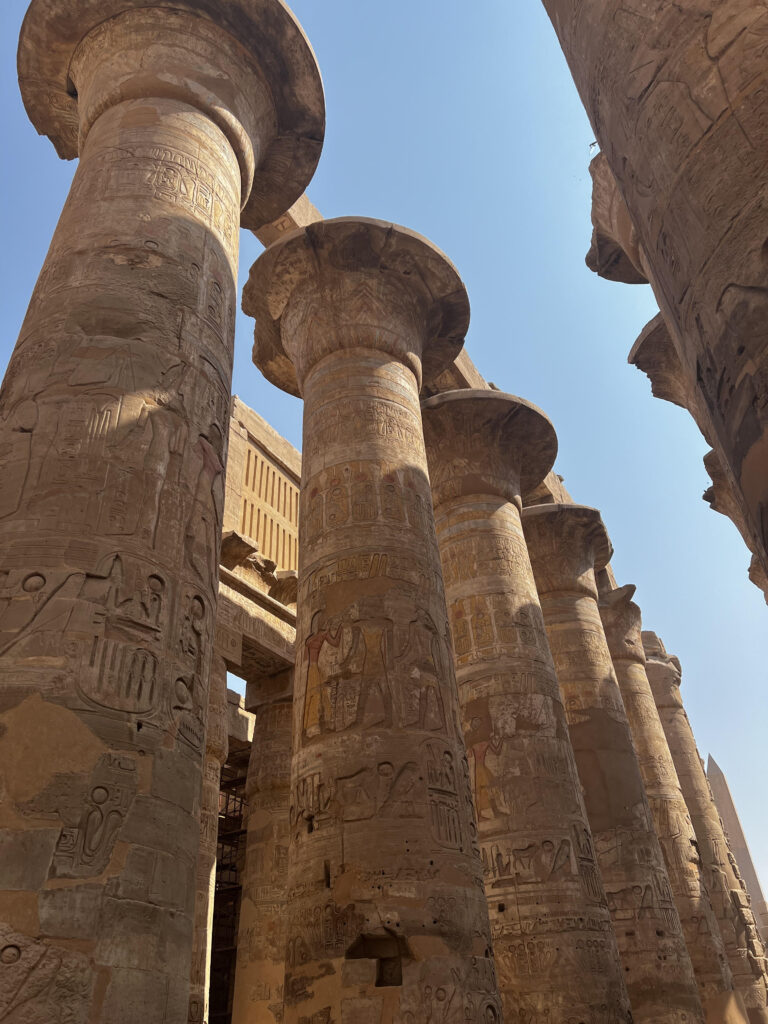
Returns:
point(553, 941)
point(622, 623)
point(188, 120)
point(387, 914)
point(746, 953)
point(567, 545)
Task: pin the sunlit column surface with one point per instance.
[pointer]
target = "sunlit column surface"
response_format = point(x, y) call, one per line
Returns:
point(745, 951)
point(188, 120)
point(622, 623)
point(387, 914)
point(567, 544)
point(553, 940)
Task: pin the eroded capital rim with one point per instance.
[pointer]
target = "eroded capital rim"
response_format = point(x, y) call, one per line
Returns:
point(271, 35)
point(513, 443)
point(346, 245)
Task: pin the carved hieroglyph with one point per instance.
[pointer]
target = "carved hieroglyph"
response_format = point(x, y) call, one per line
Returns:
point(258, 995)
point(622, 623)
point(387, 917)
point(745, 951)
point(216, 749)
point(553, 940)
point(677, 94)
point(113, 419)
point(567, 544)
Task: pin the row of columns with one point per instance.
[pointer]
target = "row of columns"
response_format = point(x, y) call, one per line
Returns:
point(383, 865)
point(567, 783)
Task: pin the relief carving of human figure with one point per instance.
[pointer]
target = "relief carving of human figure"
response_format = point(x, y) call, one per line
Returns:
point(422, 660)
point(318, 708)
point(203, 530)
point(372, 637)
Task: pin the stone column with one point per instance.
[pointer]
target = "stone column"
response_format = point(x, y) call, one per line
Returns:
point(387, 914)
point(678, 98)
point(113, 420)
point(745, 951)
point(622, 623)
point(553, 941)
point(567, 544)
point(259, 977)
point(216, 749)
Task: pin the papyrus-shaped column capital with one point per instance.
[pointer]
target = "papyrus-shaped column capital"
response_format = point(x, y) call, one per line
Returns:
point(245, 64)
point(664, 671)
point(351, 283)
point(486, 443)
point(570, 543)
point(622, 622)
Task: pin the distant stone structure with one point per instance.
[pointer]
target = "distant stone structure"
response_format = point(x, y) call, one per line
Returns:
point(737, 841)
point(460, 786)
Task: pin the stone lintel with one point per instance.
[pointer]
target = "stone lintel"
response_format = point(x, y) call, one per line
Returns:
point(276, 57)
point(488, 442)
point(300, 215)
point(353, 282)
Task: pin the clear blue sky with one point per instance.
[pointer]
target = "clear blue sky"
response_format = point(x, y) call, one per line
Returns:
point(468, 129)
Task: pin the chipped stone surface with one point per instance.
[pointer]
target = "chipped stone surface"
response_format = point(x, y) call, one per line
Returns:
point(567, 545)
point(745, 951)
point(384, 864)
point(553, 940)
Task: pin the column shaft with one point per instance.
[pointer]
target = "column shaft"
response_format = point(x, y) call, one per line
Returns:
point(116, 405)
point(387, 915)
point(216, 748)
point(563, 542)
point(622, 623)
point(743, 947)
point(113, 425)
point(260, 974)
point(553, 940)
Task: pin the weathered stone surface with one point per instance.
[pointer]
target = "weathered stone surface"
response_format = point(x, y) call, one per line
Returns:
point(743, 947)
point(622, 623)
point(113, 419)
point(567, 544)
point(678, 99)
point(553, 941)
point(655, 354)
point(738, 843)
point(261, 942)
point(615, 253)
point(352, 314)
